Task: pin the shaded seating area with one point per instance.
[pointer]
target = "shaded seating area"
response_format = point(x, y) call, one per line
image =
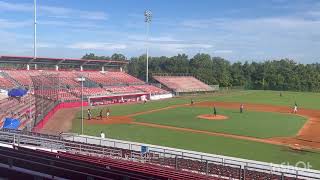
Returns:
point(76, 166)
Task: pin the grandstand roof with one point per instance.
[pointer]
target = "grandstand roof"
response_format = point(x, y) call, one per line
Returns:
point(59, 61)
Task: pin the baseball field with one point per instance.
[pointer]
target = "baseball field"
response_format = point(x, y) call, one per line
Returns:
point(267, 130)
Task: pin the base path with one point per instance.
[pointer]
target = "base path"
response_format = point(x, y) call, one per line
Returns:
point(110, 120)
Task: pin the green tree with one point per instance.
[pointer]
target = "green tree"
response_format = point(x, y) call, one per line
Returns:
point(118, 57)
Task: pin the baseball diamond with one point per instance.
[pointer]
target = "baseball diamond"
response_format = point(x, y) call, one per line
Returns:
point(160, 90)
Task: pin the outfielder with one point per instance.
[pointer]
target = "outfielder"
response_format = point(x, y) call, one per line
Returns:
point(295, 108)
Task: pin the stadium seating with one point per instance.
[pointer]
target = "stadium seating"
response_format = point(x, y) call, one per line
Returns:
point(150, 89)
point(113, 82)
point(100, 78)
point(77, 166)
point(48, 163)
point(22, 76)
point(124, 78)
point(111, 78)
point(68, 78)
point(17, 109)
point(183, 83)
point(152, 164)
point(89, 91)
point(5, 83)
point(63, 86)
point(59, 94)
point(121, 89)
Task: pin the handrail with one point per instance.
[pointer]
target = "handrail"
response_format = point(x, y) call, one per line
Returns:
point(118, 149)
point(205, 156)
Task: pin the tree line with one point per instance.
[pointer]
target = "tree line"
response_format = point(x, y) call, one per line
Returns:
point(284, 74)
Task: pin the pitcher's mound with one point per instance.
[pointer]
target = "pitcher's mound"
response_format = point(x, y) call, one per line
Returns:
point(212, 117)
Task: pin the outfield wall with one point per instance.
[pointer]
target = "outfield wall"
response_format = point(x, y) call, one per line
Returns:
point(161, 96)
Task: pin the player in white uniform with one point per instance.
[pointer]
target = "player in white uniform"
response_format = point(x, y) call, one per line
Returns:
point(102, 135)
point(108, 113)
point(295, 109)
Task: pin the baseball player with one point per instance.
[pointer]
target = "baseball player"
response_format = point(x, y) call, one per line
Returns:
point(89, 114)
point(241, 108)
point(108, 113)
point(100, 114)
point(214, 111)
point(295, 108)
point(102, 135)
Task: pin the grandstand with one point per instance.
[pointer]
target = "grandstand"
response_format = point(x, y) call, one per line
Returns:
point(183, 84)
point(5, 83)
point(83, 157)
point(51, 82)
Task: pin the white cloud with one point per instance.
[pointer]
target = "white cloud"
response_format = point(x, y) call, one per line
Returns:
point(174, 48)
point(166, 40)
point(291, 36)
point(45, 45)
point(97, 46)
point(264, 23)
point(42, 45)
point(166, 44)
point(15, 6)
point(70, 24)
point(5, 23)
point(67, 13)
point(54, 11)
point(223, 52)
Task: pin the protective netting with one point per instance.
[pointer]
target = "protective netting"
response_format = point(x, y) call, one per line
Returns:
point(47, 90)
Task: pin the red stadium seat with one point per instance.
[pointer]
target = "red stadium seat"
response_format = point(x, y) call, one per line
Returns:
point(183, 83)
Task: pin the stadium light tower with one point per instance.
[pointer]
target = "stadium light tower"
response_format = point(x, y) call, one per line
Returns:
point(82, 79)
point(148, 18)
point(35, 31)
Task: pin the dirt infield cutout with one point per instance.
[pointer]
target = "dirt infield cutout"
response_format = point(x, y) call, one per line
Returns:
point(212, 117)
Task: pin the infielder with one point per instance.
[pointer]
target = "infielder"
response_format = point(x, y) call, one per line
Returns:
point(108, 113)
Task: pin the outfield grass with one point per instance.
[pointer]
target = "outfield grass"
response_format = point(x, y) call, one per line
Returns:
point(303, 99)
point(126, 109)
point(250, 123)
point(203, 143)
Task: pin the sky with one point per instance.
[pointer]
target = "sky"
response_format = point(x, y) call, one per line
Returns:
point(237, 30)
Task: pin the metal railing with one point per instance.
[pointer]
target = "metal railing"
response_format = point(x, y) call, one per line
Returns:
point(211, 165)
point(281, 170)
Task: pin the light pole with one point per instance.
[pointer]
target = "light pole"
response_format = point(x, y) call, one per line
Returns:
point(148, 18)
point(35, 31)
point(82, 79)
